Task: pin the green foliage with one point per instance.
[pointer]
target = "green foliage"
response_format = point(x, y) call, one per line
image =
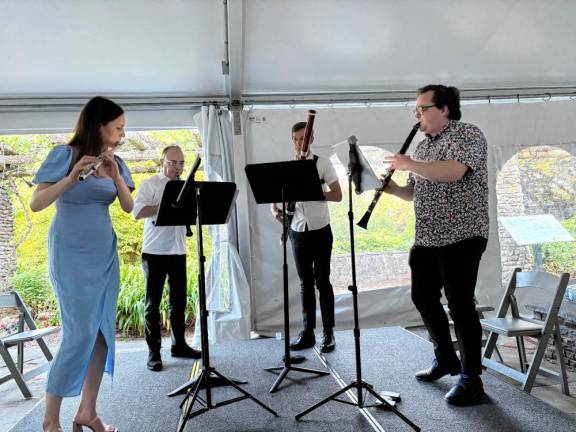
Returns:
point(31, 279)
point(131, 301)
point(561, 257)
point(391, 226)
point(33, 286)
point(188, 139)
point(34, 145)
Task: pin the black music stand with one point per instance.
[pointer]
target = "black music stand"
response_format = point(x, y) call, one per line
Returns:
point(354, 173)
point(202, 203)
point(293, 181)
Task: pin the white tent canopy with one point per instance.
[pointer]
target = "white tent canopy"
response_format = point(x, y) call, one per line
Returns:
point(162, 60)
point(283, 47)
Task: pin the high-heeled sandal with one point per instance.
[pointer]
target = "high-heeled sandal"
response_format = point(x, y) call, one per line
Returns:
point(96, 422)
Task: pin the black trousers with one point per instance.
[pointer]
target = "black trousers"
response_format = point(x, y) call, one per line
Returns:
point(156, 269)
point(454, 267)
point(312, 252)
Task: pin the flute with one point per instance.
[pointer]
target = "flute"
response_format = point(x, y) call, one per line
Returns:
point(91, 169)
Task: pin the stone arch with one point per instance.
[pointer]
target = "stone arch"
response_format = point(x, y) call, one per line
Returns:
point(525, 193)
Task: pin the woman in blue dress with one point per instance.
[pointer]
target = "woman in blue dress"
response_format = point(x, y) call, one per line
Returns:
point(83, 258)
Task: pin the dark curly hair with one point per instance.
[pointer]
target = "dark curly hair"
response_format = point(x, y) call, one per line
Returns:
point(444, 96)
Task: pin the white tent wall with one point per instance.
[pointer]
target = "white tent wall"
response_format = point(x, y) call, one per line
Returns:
point(366, 45)
point(508, 127)
point(111, 46)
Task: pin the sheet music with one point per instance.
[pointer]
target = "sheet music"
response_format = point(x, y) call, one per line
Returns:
point(369, 179)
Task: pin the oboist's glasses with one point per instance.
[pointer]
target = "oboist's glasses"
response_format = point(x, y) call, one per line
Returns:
point(422, 108)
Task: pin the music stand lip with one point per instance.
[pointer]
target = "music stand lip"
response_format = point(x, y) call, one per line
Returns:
point(185, 213)
point(297, 180)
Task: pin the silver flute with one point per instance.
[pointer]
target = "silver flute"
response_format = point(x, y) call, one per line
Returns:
point(91, 169)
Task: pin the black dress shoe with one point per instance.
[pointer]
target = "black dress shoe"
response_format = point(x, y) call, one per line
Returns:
point(468, 391)
point(185, 351)
point(436, 371)
point(154, 361)
point(303, 341)
point(328, 342)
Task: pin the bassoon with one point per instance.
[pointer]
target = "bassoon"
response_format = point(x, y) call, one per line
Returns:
point(301, 155)
point(363, 223)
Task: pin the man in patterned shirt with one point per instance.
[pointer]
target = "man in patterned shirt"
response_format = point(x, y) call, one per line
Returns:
point(448, 183)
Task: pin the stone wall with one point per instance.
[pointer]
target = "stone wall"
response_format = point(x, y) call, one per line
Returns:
point(7, 252)
point(373, 270)
point(511, 203)
point(567, 318)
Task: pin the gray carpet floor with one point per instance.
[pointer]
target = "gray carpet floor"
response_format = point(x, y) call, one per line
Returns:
point(137, 400)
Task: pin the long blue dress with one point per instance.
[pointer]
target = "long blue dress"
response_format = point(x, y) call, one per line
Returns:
point(83, 269)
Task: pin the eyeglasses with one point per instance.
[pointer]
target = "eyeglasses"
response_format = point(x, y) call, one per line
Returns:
point(422, 108)
point(174, 163)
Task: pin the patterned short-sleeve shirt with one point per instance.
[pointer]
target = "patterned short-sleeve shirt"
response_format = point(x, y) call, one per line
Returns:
point(448, 212)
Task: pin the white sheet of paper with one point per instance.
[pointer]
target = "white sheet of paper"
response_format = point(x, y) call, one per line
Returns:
point(368, 179)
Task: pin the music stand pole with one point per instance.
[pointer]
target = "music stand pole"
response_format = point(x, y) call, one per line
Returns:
point(359, 384)
point(207, 370)
point(287, 359)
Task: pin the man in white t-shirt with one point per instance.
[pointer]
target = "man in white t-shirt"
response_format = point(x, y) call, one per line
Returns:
point(311, 238)
point(163, 255)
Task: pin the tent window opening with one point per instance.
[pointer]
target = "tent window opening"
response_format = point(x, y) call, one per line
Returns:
point(536, 191)
point(26, 265)
point(382, 249)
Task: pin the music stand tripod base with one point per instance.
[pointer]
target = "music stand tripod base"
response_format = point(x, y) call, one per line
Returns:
point(292, 181)
point(215, 381)
point(359, 385)
point(201, 203)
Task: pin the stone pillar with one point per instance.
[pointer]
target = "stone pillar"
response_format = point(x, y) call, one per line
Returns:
point(511, 203)
point(7, 251)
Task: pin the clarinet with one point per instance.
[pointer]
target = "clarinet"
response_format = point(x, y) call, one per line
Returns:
point(291, 206)
point(363, 223)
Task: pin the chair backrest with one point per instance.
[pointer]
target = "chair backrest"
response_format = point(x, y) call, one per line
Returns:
point(538, 279)
point(13, 300)
point(8, 300)
point(555, 285)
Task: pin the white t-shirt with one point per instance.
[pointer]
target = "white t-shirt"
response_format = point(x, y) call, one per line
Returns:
point(315, 214)
point(165, 240)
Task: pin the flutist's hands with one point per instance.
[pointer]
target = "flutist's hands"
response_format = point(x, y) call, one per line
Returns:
point(110, 165)
point(84, 162)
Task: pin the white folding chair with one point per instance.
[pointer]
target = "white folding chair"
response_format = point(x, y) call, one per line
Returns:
point(517, 326)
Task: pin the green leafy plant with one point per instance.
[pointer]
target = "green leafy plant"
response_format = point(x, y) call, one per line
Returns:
point(132, 298)
point(36, 292)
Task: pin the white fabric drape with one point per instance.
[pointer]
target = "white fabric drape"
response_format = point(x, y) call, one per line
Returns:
point(227, 290)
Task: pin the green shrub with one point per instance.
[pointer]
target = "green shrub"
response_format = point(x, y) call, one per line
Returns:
point(36, 292)
point(132, 297)
point(561, 257)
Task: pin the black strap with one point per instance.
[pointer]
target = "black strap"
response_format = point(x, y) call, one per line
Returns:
point(316, 161)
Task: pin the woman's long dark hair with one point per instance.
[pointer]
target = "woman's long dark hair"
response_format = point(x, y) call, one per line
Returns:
point(99, 111)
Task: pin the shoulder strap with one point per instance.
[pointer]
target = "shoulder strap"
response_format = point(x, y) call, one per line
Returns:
point(316, 161)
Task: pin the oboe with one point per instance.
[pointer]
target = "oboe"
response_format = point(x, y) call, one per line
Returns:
point(91, 169)
point(363, 223)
